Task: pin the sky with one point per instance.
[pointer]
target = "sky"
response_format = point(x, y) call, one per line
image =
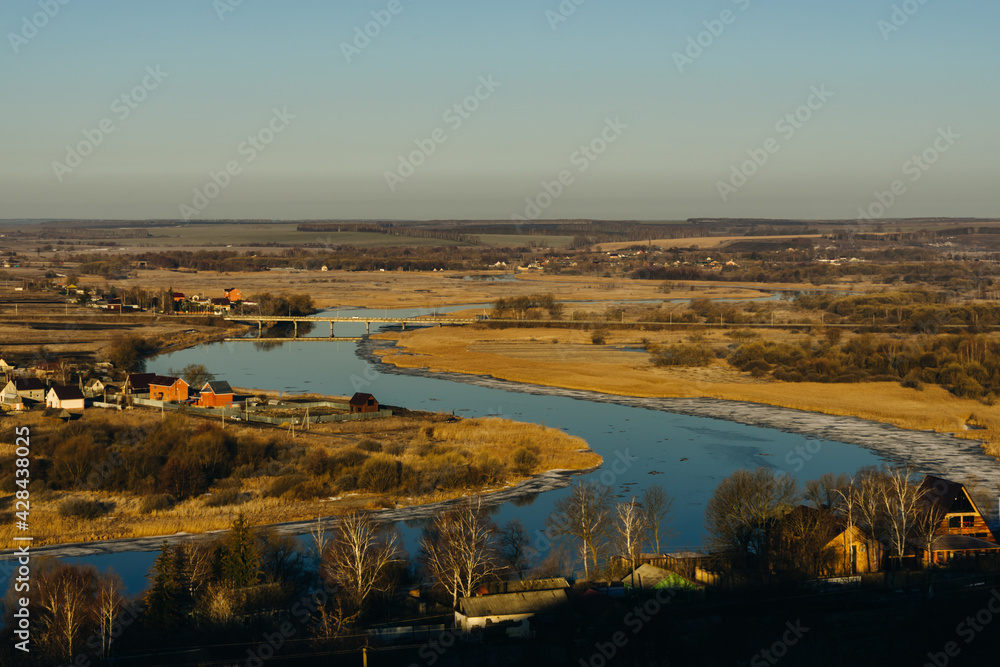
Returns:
point(435, 109)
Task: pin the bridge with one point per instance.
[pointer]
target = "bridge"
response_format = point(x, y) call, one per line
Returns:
point(402, 321)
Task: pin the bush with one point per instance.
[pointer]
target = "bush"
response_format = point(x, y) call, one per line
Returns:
point(525, 461)
point(228, 496)
point(682, 355)
point(394, 449)
point(597, 338)
point(347, 482)
point(156, 503)
point(85, 509)
point(379, 474)
point(368, 445)
point(283, 485)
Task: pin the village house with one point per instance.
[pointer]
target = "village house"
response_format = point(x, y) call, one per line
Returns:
point(169, 389)
point(363, 403)
point(842, 551)
point(65, 398)
point(521, 613)
point(137, 384)
point(233, 294)
point(961, 530)
point(221, 305)
point(216, 394)
point(32, 389)
point(93, 388)
point(5, 368)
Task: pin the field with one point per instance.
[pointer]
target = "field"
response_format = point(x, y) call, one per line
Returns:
point(419, 439)
point(567, 359)
point(702, 242)
point(248, 234)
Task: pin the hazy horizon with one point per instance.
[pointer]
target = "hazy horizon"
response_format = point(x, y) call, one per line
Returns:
point(252, 110)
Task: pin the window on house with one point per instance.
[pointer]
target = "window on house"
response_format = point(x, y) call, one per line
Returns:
point(968, 521)
point(955, 522)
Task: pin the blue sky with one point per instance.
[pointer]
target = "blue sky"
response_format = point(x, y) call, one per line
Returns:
point(557, 84)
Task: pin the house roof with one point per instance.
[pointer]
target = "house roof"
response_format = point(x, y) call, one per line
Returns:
point(535, 585)
point(509, 604)
point(67, 393)
point(140, 381)
point(360, 399)
point(28, 384)
point(217, 387)
point(946, 496)
point(164, 381)
point(961, 543)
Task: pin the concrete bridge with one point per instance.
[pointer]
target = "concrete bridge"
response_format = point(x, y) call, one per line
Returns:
point(402, 321)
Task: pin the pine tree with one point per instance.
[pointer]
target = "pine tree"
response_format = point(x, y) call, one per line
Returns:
point(162, 610)
point(239, 556)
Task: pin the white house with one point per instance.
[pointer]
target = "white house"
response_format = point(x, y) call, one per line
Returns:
point(518, 611)
point(67, 398)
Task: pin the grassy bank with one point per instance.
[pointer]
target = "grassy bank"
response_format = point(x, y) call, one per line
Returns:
point(135, 474)
point(568, 359)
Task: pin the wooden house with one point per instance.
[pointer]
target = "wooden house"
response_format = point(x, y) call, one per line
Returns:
point(169, 389)
point(64, 398)
point(363, 403)
point(823, 542)
point(216, 394)
point(519, 612)
point(953, 509)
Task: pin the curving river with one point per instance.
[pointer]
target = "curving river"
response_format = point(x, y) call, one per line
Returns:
point(640, 441)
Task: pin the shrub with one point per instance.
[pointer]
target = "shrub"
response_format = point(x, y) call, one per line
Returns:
point(156, 503)
point(228, 496)
point(379, 474)
point(394, 449)
point(282, 485)
point(368, 445)
point(347, 482)
point(85, 509)
point(598, 338)
point(525, 461)
point(683, 355)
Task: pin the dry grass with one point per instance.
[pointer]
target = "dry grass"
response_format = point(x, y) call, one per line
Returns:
point(529, 356)
point(703, 242)
point(472, 438)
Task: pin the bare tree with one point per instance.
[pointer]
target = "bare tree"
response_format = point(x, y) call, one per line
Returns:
point(869, 511)
point(744, 508)
point(514, 545)
point(585, 515)
point(900, 499)
point(109, 603)
point(847, 508)
point(656, 504)
point(64, 595)
point(359, 556)
point(459, 549)
point(826, 491)
point(629, 528)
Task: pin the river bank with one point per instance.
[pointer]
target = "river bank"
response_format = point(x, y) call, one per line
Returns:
point(930, 452)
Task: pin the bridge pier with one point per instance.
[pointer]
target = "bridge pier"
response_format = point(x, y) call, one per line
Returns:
point(295, 332)
point(331, 328)
point(368, 328)
point(260, 328)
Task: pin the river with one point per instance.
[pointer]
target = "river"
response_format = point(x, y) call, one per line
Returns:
point(687, 455)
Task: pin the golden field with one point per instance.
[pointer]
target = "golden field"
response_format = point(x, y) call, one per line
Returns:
point(567, 359)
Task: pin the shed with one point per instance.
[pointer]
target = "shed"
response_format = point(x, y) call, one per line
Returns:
point(65, 398)
point(522, 611)
point(649, 577)
point(363, 403)
point(216, 394)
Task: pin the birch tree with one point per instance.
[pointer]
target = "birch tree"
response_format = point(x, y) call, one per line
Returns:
point(656, 505)
point(459, 550)
point(584, 515)
point(359, 557)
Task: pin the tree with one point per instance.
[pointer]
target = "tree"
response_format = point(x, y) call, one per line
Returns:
point(745, 506)
point(514, 545)
point(630, 527)
point(162, 598)
point(900, 499)
point(239, 555)
point(656, 505)
point(359, 557)
point(196, 375)
point(459, 549)
point(584, 515)
point(826, 491)
point(126, 353)
point(109, 603)
point(63, 597)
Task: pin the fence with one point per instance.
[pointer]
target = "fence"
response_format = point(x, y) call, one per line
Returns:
point(255, 416)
